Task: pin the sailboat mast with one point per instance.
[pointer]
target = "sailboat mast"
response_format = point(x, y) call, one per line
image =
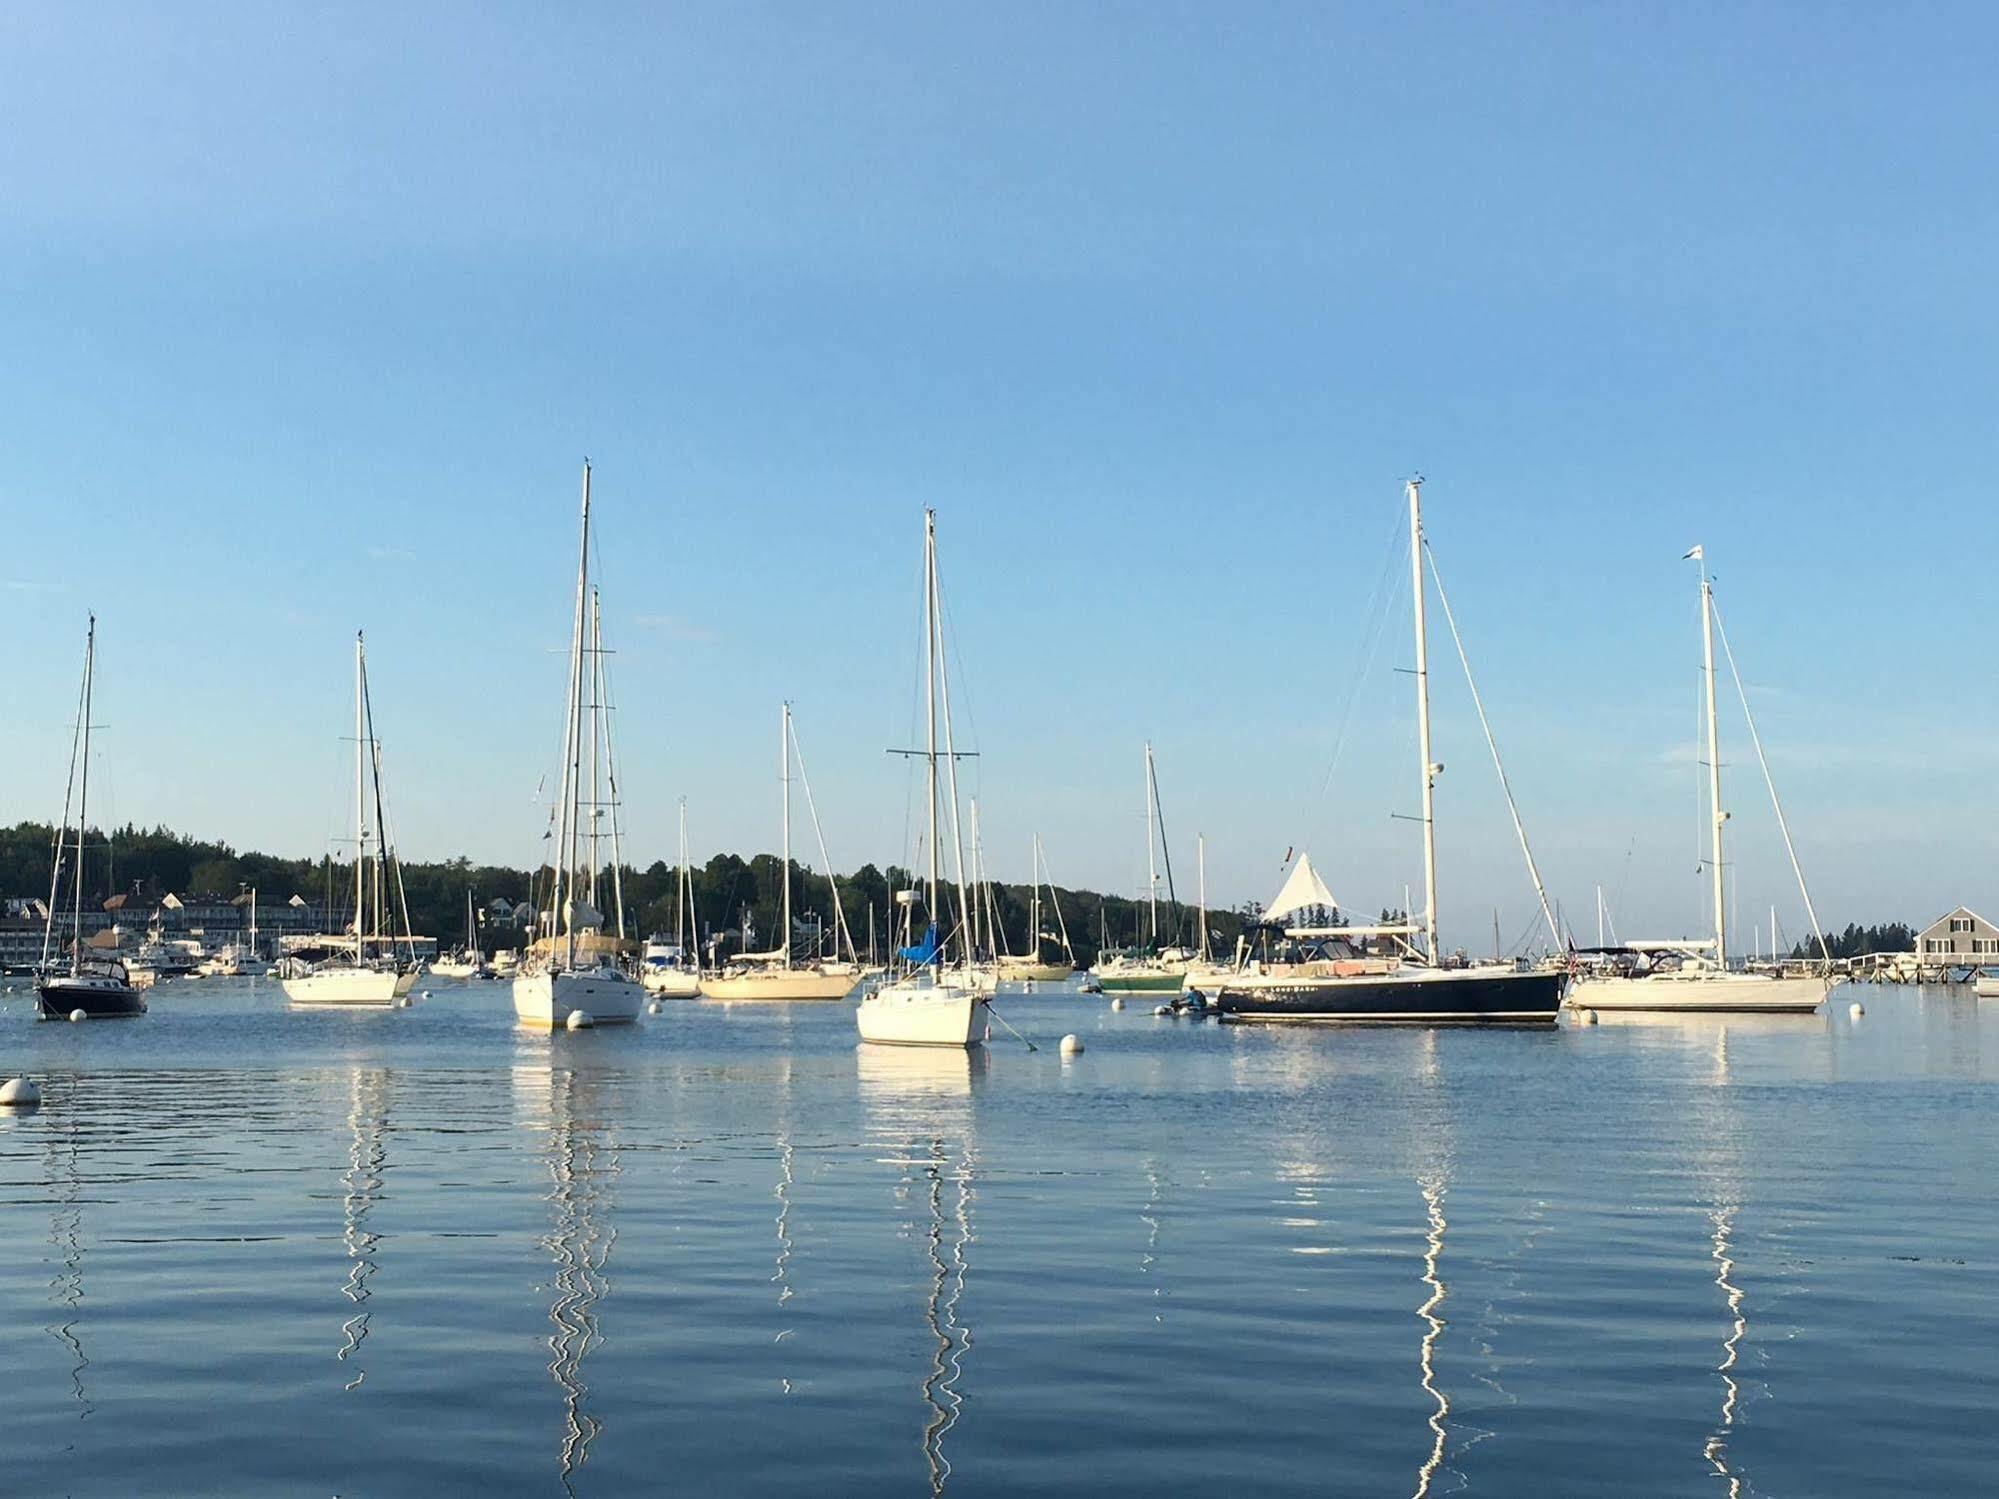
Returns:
point(83, 798)
point(1201, 866)
point(978, 877)
point(930, 692)
point(680, 885)
point(1429, 766)
point(572, 738)
point(596, 739)
point(1151, 869)
point(784, 780)
point(1713, 764)
point(360, 793)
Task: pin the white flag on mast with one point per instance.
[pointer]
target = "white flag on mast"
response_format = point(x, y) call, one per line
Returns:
point(1694, 552)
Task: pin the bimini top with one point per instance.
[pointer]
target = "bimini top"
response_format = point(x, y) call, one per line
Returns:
point(1302, 890)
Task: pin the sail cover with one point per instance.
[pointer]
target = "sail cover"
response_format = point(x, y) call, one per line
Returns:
point(1303, 889)
point(924, 951)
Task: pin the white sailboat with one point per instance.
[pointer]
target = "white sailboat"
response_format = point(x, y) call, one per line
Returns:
point(467, 962)
point(1032, 966)
point(571, 968)
point(776, 974)
point(1146, 967)
point(938, 1002)
point(373, 976)
point(1694, 975)
point(672, 970)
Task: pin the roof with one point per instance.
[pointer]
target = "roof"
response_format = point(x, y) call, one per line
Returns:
point(1956, 911)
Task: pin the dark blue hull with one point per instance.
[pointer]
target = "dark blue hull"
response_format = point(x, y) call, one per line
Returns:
point(98, 1001)
point(1450, 997)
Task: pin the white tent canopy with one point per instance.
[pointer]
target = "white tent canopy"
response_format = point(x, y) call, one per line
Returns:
point(1302, 890)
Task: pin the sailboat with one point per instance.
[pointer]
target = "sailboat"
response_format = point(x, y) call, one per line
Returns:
point(95, 983)
point(938, 1001)
point(1694, 975)
point(672, 970)
point(1146, 967)
point(468, 962)
point(1337, 981)
point(571, 968)
point(371, 977)
point(776, 974)
point(1032, 966)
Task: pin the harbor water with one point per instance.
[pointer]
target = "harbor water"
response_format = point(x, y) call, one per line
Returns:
point(728, 1250)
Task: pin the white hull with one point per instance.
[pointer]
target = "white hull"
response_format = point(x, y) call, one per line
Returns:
point(447, 968)
point(671, 983)
point(349, 988)
point(924, 1012)
point(1740, 993)
point(1019, 971)
point(1986, 987)
point(780, 983)
point(550, 998)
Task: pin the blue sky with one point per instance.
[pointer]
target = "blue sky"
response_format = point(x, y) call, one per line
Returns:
point(311, 319)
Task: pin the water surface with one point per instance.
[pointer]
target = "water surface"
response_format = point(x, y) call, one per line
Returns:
point(255, 1252)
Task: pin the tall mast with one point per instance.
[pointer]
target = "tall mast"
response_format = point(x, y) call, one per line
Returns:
point(680, 885)
point(950, 746)
point(978, 877)
point(1430, 767)
point(930, 692)
point(596, 740)
point(1713, 760)
point(784, 779)
point(360, 792)
point(572, 739)
point(1151, 869)
point(1201, 864)
point(1034, 901)
point(83, 797)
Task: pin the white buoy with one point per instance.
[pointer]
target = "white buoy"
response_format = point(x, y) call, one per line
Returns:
point(19, 1093)
point(426, 994)
point(655, 1007)
point(1162, 1009)
point(1072, 1045)
point(1117, 1001)
point(79, 1014)
point(579, 1020)
point(1856, 1009)
point(1585, 1017)
point(403, 1001)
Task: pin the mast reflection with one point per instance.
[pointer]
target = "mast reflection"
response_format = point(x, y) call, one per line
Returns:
point(583, 1167)
point(63, 1168)
point(1725, 1184)
point(361, 1183)
point(917, 1101)
point(1433, 1249)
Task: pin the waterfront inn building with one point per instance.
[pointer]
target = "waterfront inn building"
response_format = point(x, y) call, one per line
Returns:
point(1963, 937)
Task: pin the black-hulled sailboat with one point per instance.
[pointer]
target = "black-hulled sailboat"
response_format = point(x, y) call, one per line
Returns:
point(95, 984)
point(1331, 978)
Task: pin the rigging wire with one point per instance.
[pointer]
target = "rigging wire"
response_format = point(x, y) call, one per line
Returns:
point(1492, 744)
point(1783, 824)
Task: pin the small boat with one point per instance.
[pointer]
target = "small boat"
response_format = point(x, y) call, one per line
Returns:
point(571, 966)
point(93, 982)
point(1986, 984)
point(1696, 975)
point(936, 1002)
point(671, 968)
point(1033, 967)
point(372, 976)
point(467, 962)
point(1146, 967)
point(777, 974)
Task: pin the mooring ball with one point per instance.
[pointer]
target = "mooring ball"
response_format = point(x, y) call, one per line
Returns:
point(580, 1020)
point(654, 1008)
point(1162, 1010)
point(19, 1093)
point(1071, 1045)
point(79, 1014)
point(1856, 1009)
point(1117, 1002)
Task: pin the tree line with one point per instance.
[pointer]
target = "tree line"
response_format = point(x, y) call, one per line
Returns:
point(729, 891)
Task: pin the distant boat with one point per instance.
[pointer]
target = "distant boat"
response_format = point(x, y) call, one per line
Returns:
point(1033, 966)
point(467, 962)
point(1146, 967)
point(671, 968)
point(94, 983)
point(1695, 975)
point(776, 974)
point(1333, 979)
point(1986, 984)
point(939, 1001)
point(371, 977)
point(571, 966)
